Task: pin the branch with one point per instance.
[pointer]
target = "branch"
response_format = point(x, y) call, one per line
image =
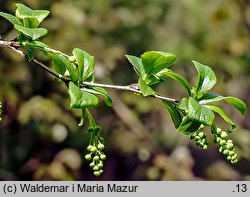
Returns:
point(131, 88)
point(14, 46)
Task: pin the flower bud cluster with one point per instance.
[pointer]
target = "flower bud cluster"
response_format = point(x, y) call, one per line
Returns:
point(200, 139)
point(95, 148)
point(97, 157)
point(226, 146)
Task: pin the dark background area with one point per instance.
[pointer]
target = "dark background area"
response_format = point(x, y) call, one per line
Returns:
point(39, 136)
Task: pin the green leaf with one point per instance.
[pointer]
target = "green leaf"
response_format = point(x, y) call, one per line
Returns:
point(174, 113)
point(30, 22)
point(155, 61)
point(237, 103)
point(177, 77)
point(100, 91)
point(85, 62)
point(80, 99)
point(29, 52)
point(69, 66)
point(183, 104)
point(58, 64)
point(199, 113)
point(33, 33)
point(26, 13)
point(188, 126)
point(11, 18)
point(206, 78)
point(137, 65)
point(222, 114)
point(78, 54)
point(145, 89)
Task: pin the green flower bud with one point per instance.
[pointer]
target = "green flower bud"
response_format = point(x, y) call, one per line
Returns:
point(223, 142)
point(92, 164)
point(205, 147)
point(221, 149)
point(231, 153)
point(224, 135)
point(229, 146)
point(88, 157)
point(95, 168)
point(201, 135)
point(226, 152)
point(229, 141)
point(204, 140)
point(89, 147)
point(96, 158)
point(217, 140)
point(229, 158)
point(192, 136)
point(197, 138)
point(100, 165)
point(234, 157)
point(97, 173)
point(234, 161)
point(101, 170)
point(93, 149)
point(100, 146)
point(218, 131)
point(103, 157)
point(101, 162)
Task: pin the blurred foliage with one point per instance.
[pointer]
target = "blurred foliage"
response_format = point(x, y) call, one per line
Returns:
point(39, 137)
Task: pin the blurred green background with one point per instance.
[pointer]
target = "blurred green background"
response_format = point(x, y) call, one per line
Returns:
point(39, 136)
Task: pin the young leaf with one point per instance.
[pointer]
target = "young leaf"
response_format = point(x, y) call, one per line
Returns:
point(10, 18)
point(237, 103)
point(188, 126)
point(58, 64)
point(24, 12)
point(29, 52)
point(80, 99)
point(80, 62)
point(174, 113)
point(183, 104)
point(30, 22)
point(137, 65)
point(145, 89)
point(40, 15)
point(68, 65)
point(85, 62)
point(199, 113)
point(100, 91)
point(155, 61)
point(206, 78)
point(33, 33)
point(177, 77)
point(222, 113)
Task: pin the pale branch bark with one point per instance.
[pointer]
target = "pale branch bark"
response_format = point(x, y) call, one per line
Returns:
point(131, 88)
point(15, 47)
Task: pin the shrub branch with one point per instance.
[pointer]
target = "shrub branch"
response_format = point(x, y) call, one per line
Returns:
point(15, 47)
